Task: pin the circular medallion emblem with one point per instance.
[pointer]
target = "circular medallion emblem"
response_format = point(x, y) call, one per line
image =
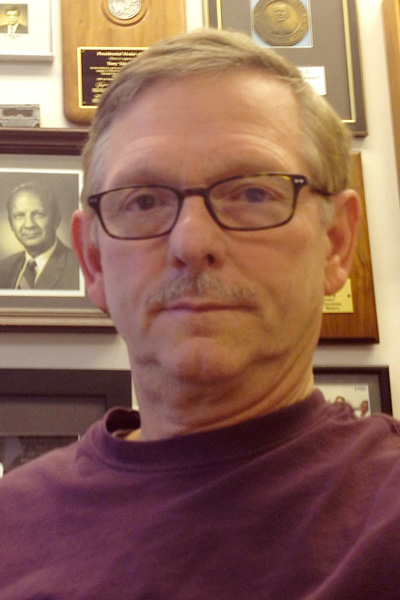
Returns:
point(280, 23)
point(124, 9)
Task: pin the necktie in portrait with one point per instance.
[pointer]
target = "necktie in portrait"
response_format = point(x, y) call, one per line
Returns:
point(28, 278)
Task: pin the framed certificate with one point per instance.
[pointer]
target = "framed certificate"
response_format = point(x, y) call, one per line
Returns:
point(321, 38)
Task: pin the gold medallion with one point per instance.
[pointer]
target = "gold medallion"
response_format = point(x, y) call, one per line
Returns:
point(280, 23)
point(124, 12)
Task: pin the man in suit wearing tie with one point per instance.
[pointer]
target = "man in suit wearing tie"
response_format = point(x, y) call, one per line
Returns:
point(46, 263)
point(13, 25)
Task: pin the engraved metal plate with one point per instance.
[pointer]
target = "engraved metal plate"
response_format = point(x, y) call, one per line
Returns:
point(280, 23)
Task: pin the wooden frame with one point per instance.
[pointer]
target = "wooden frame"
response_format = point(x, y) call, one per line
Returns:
point(36, 43)
point(391, 21)
point(355, 385)
point(42, 409)
point(334, 47)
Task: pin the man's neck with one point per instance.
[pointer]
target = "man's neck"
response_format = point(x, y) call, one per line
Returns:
point(201, 409)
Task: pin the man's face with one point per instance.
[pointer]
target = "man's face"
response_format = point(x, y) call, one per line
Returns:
point(262, 291)
point(32, 222)
point(281, 12)
point(12, 17)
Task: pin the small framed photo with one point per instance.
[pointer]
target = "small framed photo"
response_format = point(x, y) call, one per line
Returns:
point(367, 389)
point(27, 30)
point(39, 196)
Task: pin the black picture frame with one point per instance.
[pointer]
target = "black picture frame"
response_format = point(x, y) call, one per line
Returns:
point(43, 409)
point(335, 47)
point(338, 379)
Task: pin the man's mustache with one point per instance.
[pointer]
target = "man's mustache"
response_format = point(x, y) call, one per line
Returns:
point(202, 285)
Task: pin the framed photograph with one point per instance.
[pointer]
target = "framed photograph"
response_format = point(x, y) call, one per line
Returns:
point(367, 389)
point(321, 38)
point(27, 30)
point(43, 409)
point(39, 195)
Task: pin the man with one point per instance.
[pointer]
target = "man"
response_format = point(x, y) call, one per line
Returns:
point(46, 263)
point(216, 215)
point(13, 25)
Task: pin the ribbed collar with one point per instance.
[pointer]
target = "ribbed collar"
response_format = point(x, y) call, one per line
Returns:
point(207, 447)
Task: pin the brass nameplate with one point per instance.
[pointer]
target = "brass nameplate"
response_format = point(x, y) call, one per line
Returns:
point(341, 302)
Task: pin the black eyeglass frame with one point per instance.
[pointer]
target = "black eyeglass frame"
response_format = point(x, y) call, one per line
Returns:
point(298, 182)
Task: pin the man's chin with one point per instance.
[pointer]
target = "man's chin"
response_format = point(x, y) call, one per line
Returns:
point(201, 362)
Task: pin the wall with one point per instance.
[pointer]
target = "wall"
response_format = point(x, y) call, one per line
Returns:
point(42, 83)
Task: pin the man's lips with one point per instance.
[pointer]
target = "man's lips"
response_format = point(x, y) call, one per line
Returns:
point(200, 305)
point(30, 236)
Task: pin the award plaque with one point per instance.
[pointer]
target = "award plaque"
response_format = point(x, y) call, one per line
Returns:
point(314, 34)
point(101, 36)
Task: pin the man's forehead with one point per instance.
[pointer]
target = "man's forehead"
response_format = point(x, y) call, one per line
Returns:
point(28, 198)
point(245, 111)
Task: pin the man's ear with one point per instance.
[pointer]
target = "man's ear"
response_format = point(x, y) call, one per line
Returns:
point(88, 256)
point(342, 233)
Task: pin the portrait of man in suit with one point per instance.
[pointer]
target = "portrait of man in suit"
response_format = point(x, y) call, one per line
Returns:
point(12, 17)
point(45, 262)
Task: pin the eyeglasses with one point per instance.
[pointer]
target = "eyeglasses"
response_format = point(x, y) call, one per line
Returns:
point(244, 203)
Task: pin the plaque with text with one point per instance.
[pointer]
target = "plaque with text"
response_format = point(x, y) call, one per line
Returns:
point(101, 36)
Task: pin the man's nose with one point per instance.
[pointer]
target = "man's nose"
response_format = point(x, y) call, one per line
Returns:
point(29, 220)
point(196, 239)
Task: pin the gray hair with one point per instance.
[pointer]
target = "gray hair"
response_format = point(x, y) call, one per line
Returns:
point(326, 141)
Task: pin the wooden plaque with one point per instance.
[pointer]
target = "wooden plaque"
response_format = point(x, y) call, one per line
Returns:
point(100, 36)
point(361, 325)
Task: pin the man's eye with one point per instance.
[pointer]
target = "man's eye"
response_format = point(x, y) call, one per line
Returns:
point(257, 194)
point(146, 202)
point(140, 202)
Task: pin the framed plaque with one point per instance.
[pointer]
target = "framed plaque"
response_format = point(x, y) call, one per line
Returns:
point(343, 321)
point(321, 38)
point(101, 36)
point(27, 30)
point(391, 20)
